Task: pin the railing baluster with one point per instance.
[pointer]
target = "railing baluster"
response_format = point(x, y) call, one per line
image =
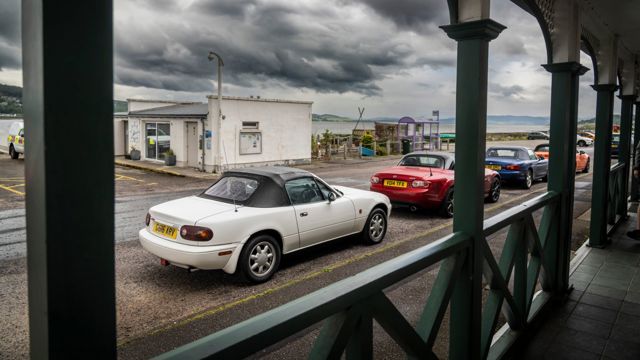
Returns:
point(335, 334)
point(520, 275)
point(360, 345)
point(394, 324)
point(535, 262)
point(498, 277)
point(439, 296)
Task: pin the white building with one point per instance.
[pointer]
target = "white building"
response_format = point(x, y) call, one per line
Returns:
point(254, 132)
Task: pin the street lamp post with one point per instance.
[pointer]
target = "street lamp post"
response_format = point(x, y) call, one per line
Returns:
point(211, 57)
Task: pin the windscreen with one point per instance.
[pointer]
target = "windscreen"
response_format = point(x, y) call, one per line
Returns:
point(505, 153)
point(423, 161)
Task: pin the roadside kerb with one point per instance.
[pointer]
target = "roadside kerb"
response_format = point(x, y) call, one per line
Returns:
point(146, 167)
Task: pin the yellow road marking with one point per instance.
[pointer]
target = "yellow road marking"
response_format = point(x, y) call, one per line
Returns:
point(124, 177)
point(315, 274)
point(12, 190)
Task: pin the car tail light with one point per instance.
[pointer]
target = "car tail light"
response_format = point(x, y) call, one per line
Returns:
point(513, 167)
point(375, 179)
point(420, 184)
point(147, 220)
point(196, 233)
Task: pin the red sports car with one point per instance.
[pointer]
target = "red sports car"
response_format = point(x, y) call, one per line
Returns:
point(425, 180)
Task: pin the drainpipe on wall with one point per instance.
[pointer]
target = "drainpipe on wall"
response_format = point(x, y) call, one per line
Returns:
point(202, 120)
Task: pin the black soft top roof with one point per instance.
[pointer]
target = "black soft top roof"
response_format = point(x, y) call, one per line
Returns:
point(271, 192)
point(279, 174)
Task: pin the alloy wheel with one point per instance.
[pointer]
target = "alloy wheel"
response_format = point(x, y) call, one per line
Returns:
point(376, 227)
point(262, 258)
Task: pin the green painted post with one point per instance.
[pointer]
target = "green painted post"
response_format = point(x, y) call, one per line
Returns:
point(601, 165)
point(624, 155)
point(471, 121)
point(636, 138)
point(67, 58)
point(562, 163)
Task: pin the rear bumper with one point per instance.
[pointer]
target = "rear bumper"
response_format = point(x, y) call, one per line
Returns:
point(512, 175)
point(188, 256)
point(419, 197)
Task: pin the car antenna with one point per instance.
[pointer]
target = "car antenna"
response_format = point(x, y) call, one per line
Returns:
point(224, 151)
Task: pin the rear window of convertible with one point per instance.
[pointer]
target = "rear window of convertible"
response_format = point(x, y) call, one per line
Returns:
point(233, 188)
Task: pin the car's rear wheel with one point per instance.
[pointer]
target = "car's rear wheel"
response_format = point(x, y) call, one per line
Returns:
point(528, 180)
point(260, 258)
point(12, 152)
point(586, 167)
point(446, 208)
point(494, 191)
point(375, 228)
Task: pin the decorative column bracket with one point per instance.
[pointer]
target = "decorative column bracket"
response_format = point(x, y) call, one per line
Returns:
point(471, 124)
point(601, 165)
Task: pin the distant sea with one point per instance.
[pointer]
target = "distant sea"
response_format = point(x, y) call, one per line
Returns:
point(345, 127)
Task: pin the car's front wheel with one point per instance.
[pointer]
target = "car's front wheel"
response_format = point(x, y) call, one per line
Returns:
point(260, 258)
point(375, 228)
point(582, 143)
point(13, 153)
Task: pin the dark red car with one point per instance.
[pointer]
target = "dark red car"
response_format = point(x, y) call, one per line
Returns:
point(425, 180)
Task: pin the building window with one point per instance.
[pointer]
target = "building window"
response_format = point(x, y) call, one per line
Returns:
point(250, 124)
point(157, 140)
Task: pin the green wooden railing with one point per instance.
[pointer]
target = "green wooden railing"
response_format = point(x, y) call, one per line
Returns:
point(616, 203)
point(349, 307)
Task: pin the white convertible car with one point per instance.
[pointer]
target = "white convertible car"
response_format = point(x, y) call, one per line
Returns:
point(250, 217)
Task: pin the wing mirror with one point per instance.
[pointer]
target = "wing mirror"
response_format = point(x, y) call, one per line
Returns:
point(332, 197)
point(540, 157)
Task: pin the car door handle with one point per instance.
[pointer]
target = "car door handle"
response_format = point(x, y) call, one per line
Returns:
point(304, 214)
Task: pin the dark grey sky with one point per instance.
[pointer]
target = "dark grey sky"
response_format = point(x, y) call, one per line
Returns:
point(389, 56)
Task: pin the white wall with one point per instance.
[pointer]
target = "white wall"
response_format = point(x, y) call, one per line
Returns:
point(137, 105)
point(118, 136)
point(285, 128)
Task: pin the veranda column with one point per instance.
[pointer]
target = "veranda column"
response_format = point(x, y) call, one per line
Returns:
point(562, 162)
point(471, 121)
point(636, 138)
point(601, 164)
point(67, 56)
point(624, 154)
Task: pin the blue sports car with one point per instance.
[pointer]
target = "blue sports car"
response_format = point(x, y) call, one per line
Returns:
point(517, 164)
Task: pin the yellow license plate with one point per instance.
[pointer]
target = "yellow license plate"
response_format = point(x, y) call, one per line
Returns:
point(395, 183)
point(614, 146)
point(494, 167)
point(166, 230)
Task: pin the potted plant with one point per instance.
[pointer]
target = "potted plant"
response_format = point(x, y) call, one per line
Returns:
point(134, 154)
point(169, 158)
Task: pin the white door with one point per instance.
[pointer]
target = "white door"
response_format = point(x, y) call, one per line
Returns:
point(318, 219)
point(192, 144)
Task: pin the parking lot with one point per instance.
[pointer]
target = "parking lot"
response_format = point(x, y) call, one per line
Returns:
point(162, 307)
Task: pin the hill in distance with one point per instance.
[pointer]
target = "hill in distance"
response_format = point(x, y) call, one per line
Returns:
point(493, 119)
point(11, 101)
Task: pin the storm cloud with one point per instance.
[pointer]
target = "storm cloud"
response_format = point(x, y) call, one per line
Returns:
point(10, 49)
point(327, 47)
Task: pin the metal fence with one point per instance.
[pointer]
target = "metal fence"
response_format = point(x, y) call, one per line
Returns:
point(349, 307)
